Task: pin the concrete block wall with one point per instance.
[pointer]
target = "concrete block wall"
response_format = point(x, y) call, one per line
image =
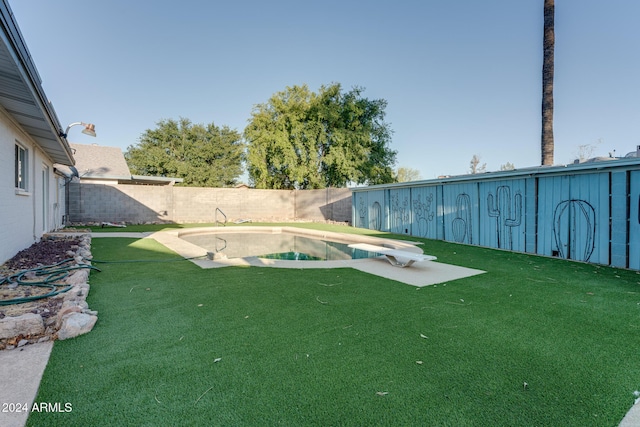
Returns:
point(136, 204)
point(318, 205)
point(121, 203)
point(194, 204)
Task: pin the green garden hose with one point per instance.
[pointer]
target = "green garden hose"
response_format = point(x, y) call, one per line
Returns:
point(125, 261)
point(57, 273)
point(51, 277)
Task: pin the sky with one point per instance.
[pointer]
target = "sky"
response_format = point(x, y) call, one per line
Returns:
point(461, 77)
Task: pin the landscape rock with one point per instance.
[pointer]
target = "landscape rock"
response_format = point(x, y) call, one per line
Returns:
point(78, 277)
point(67, 309)
point(84, 253)
point(76, 324)
point(26, 324)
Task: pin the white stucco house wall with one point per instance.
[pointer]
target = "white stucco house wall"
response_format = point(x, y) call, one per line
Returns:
point(34, 152)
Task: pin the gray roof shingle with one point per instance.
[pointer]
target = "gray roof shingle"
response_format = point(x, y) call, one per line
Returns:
point(96, 161)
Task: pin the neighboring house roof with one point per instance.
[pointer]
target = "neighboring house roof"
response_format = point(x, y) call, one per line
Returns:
point(108, 163)
point(22, 95)
point(96, 161)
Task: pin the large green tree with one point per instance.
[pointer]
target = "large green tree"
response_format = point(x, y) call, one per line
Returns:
point(300, 139)
point(203, 155)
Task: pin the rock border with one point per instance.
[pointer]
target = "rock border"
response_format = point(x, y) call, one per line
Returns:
point(69, 315)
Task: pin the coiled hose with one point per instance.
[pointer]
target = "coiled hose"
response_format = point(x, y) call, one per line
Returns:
point(51, 276)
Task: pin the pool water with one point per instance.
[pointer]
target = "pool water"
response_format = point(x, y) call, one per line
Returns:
point(292, 256)
point(281, 246)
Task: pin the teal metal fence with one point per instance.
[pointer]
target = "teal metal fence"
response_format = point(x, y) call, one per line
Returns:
point(585, 212)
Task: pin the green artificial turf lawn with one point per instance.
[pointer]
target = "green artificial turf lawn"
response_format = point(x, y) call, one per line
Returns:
point(178, 345)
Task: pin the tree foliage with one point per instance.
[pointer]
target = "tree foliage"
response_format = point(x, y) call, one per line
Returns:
point(203, 155)
point(585, 151)
point(300, 139)
point(405, 174)
point(475, 166)
point(507, 167)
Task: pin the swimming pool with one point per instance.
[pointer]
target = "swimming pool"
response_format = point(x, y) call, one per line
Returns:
point(277, 244)
point(280, 246)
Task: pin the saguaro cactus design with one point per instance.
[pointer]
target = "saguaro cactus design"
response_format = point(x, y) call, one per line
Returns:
point(500, 208)
point(461, 224)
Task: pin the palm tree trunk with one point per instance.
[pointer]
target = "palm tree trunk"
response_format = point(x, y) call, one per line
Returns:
point(547, 83)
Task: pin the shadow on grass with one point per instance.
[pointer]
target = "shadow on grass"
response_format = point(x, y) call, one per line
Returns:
point(534, 341)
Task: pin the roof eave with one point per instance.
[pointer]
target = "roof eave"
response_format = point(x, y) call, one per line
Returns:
point(158, 179)
point(25, 99)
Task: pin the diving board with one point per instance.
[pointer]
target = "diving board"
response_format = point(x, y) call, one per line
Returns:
point(394, 255)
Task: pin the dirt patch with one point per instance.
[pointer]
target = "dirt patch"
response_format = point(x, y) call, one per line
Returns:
point(45, 252)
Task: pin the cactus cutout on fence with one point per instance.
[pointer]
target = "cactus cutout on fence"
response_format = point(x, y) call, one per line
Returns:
point(500, 208)
point(423, 214)
point(362, 210)
point(461, 224)
point(400, 212)
point(575, 220)
point(375, 217)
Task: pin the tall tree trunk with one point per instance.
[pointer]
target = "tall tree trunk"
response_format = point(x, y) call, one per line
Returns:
point(547, 84)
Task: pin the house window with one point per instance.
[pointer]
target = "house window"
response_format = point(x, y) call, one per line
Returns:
point(22, 163)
